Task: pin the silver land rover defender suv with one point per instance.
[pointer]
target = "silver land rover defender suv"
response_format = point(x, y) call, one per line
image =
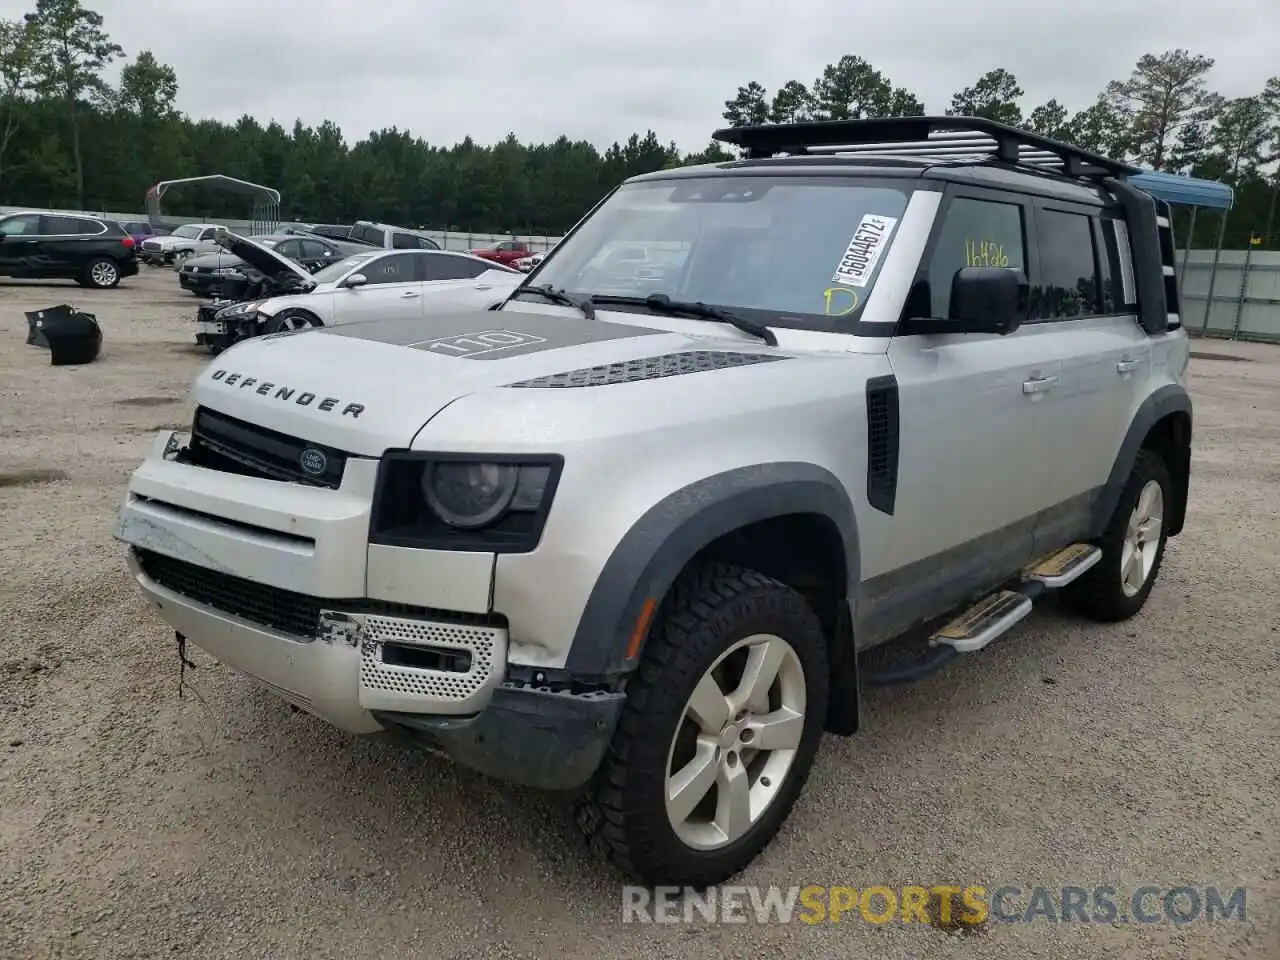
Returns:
point(627, 533)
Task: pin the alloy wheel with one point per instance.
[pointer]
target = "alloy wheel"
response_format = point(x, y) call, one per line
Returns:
point(735, 742)
point(1142, 539)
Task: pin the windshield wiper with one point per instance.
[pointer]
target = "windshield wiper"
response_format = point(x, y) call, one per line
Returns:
point(548, 292)
point(661, 303)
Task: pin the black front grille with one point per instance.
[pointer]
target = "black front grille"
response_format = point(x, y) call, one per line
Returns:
point(296, 614)
point(283, 610)
point(224, 443)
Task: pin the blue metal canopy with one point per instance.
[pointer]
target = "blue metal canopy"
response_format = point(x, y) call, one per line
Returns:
point(1185, 191)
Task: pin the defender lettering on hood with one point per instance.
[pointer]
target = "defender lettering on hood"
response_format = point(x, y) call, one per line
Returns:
point(306, 398)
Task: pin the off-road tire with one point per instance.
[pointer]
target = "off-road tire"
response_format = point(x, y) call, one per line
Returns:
point(1098, 594)
point(97, 276)
point(623, 810)
point(285, 321)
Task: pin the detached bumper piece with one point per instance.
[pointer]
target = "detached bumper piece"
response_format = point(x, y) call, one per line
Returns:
point(71, 336)
point(532, 737)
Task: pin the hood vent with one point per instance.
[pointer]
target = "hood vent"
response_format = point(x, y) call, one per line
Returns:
point(648, 368)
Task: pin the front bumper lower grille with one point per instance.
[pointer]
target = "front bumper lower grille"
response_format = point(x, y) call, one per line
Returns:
point(295, 614)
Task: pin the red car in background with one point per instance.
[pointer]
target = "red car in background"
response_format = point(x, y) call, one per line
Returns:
point(506, 253)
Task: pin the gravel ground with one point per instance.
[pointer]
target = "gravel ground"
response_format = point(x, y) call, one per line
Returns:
point(135, 824)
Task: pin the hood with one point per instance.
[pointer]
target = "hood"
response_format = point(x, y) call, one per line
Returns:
point(366, 387)
point(262, 258)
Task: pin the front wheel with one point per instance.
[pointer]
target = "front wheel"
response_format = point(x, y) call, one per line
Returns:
point(291, 320)
point(1132, 546)
point(722, 724)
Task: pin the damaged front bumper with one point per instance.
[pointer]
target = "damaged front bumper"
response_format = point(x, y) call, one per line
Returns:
point(278, 581)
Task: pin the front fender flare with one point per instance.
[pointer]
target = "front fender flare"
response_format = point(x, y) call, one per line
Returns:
point(651, 555)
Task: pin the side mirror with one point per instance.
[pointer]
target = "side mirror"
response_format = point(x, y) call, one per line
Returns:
point(355, 280)
point(988, 300)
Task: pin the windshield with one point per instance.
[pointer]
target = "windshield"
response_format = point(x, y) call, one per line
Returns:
point(187, 231)
point(336, 271)
point(793, 252)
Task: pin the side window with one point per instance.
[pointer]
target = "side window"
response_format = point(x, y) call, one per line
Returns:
point(367, 234)
point(56, 226)
point(1115, 239)
point(507, 246)
point(1111, 296)
point(397, 268)
point(91, 227)
point(1068, 283)
point(975, 233)
point(24, 224)
point(447, 267)
point(314, 249)
point(289, 248)
point(404, 241)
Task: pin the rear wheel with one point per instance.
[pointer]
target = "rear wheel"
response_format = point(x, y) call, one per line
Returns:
point(100, 273)
point(1132, 546)
point(721, 726)
point(292, 320)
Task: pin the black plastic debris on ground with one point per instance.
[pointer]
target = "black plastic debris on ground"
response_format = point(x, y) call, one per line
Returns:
point(71, 336)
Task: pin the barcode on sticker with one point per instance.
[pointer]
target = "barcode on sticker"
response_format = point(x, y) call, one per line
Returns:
point(864, 250)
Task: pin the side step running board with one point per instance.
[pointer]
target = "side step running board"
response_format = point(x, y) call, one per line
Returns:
point(1064, 566)
point(996, 614)
point(984, 621)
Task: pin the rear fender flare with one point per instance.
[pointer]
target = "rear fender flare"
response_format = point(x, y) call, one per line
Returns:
point(1171, 398)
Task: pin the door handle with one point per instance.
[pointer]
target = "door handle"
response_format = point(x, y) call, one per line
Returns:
point(484, 286)
point(1126, 367)
point(409, 295)
point(1038, 384)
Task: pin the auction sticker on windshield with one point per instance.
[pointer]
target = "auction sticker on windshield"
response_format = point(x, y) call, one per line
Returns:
point(864, 250)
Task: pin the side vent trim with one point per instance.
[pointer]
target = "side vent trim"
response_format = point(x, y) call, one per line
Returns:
point(882, 443)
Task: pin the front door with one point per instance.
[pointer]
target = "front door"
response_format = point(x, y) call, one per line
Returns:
point(20, 245)
point(392, 290)
point(973, 461)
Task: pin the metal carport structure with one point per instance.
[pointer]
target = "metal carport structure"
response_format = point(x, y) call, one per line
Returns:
point(1181, 191)
point(265, 216)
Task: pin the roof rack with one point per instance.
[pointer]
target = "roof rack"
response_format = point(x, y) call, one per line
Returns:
point(946, 140)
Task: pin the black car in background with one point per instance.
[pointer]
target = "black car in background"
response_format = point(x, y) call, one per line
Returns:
point(223, 274)
point(92, 251)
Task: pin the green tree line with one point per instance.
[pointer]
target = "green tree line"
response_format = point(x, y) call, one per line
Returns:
point(69, 138)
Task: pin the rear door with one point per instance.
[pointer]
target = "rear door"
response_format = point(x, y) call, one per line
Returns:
point(392, 290)
point(1084, 300)
point(66, 243)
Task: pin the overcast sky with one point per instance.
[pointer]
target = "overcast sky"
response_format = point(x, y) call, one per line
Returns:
point(598, 70)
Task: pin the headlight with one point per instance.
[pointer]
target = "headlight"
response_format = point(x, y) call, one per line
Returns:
point(462, 502)
point(238, 309)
